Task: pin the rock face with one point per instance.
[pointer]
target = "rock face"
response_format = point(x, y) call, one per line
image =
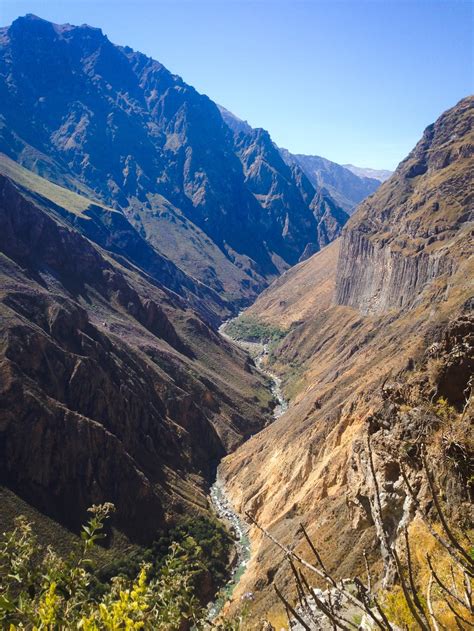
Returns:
point(111, 387)
point(370, 358)
point(113, 123)
point(301, 213)
point(415, 228)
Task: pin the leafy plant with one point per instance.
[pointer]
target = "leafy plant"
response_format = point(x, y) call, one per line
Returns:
point(40, 590)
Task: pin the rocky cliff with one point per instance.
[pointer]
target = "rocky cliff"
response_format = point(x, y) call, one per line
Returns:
point(415, 228)
point(345, 187)
point(302, 213)
point(399, 372)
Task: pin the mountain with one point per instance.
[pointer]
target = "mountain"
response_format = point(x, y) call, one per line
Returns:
point(132, 222)
point(289, 199)
point(235, 123)
point(345, 187)
point(113, 124)
point(112, 387)
point(375, 174)
point(379, 342)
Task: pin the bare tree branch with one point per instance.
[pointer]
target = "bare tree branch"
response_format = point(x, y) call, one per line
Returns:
point(441, 540)
point(444, 587)
point(430, 604)
point(413, 588)
point(307, 565)
point(406, 593)
point(293, 611)
point(454, 542)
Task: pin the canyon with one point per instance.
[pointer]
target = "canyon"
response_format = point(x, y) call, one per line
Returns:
point(139, 221)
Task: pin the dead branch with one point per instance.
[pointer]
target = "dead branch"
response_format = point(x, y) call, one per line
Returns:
point(430, 604)
point(442, 585)
point(441, 540)
point(369, 580)
point(292, 610)
point(311, 568)
point(453, 540)
point(413, 588)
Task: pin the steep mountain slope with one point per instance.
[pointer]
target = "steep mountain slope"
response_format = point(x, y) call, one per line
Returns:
point(291, 202)
point(111, 387)
point(345, 187)
point(305, 289)
point(111, 230)
point(372, 356)
point(112, 123)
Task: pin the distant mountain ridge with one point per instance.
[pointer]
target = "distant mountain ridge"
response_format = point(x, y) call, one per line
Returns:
point(346, 184)
point(347, 188)
point(376, 174)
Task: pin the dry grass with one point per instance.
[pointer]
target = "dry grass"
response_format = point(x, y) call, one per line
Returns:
point(74, 203)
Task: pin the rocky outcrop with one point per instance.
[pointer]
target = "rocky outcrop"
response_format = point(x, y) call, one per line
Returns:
point(330, 218)
point(374, 278)
point(298, 213)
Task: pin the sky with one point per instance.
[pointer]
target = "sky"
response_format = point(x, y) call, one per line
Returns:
point(355, 81)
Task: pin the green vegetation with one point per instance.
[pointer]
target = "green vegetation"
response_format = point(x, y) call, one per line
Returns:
point(41, 590)
point(206, 542)
point(250, 329)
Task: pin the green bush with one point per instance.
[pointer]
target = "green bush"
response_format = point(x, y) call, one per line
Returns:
point(41, 590)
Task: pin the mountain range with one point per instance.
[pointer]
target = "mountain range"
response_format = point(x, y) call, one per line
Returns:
point(134, 220)
point(118, 127)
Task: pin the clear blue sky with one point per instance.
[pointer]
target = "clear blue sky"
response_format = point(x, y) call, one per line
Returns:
point(355, 81)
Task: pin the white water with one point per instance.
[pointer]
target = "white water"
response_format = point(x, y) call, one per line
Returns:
point(220, 501)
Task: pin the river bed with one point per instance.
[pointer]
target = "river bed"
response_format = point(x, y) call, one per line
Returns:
point(220, 501)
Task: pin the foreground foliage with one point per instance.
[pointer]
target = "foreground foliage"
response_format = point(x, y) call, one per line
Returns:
point(41, 590)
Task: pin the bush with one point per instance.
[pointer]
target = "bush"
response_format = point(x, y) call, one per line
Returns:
point(40, 590)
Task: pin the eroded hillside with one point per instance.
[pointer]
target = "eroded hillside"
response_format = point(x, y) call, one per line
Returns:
point(112, 387)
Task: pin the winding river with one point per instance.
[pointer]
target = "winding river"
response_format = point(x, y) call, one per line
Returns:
point(221, 503)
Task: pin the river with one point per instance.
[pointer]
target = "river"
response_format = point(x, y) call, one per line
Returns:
point(219, 500)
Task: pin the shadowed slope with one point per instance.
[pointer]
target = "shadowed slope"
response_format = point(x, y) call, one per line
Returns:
point(112, 389)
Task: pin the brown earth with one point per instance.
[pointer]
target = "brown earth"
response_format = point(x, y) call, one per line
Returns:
point(372, 357)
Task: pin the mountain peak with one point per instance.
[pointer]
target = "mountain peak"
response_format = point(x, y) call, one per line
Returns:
point(37, 25)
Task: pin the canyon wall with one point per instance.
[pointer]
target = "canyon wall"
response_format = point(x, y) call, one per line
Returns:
point(372, 345)
point(415, 228)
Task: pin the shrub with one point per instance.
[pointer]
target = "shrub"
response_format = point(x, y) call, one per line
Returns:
point(40, 590)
